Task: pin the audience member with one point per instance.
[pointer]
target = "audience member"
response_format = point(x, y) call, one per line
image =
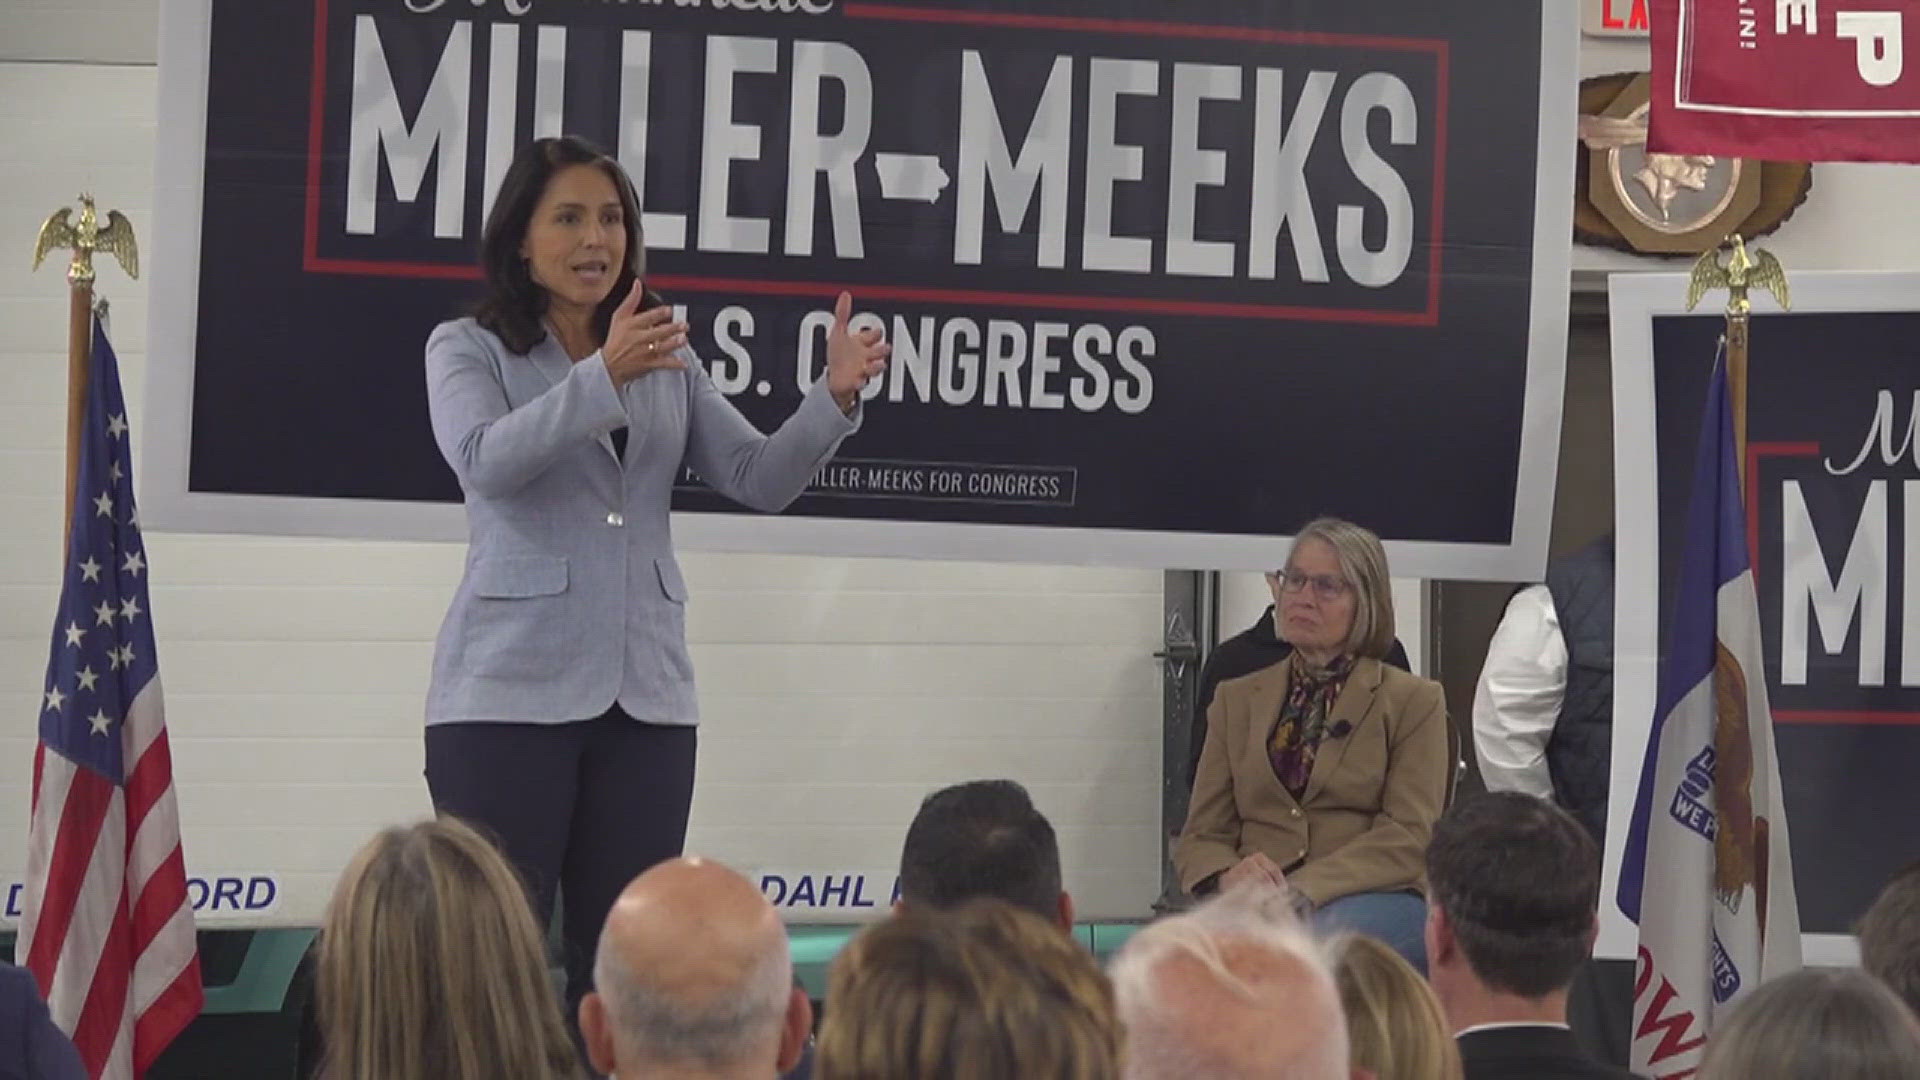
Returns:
point(1543, 708)
point(1831, 1024)
point(1393, 1020)
point(1324, 772)
point(1513, 881)
point(693, 980)
point(431, 966)
point(1890, 936)
point(984, 991)
point(1235, 989)
point(32, 1046)
point(979, 839)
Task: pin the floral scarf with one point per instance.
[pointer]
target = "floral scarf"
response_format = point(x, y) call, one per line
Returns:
point(1295, 743)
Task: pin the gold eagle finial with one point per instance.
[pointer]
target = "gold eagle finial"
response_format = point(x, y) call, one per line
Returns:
point(86, 236)
point(1741, 273)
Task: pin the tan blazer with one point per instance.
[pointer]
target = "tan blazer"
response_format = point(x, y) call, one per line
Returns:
point(1370, 801)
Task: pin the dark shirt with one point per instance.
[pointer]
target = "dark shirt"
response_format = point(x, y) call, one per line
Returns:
point(31, 1046)
point(1530, 1052)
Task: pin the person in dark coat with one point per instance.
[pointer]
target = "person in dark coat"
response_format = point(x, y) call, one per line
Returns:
point(1513, 883)
point(1543, 708)
point(32, 1046)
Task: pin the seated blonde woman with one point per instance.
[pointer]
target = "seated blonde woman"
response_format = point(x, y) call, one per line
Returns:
point(1325, 772)
point(431, 966)
point(1393, 1020)
point(983, 991)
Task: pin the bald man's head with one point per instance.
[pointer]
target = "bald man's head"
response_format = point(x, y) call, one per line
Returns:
point(693, 974)
point(1226, 991)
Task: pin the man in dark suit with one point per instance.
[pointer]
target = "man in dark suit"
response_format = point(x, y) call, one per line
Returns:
point(31, 1047)
point(1512, 885)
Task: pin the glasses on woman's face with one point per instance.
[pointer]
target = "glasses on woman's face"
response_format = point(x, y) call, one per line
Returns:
point(1326, 587)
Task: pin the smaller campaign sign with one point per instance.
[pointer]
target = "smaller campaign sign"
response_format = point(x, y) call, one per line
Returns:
point(1831, 491)
point(1786, 80)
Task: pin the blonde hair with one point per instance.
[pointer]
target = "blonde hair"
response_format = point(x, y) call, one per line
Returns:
point(1363, 562)
point(431, 966)
point(1816, 1024)
point(1393, 1020)
point(978, 992)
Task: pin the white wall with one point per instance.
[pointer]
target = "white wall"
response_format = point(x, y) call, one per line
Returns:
point(91, 31)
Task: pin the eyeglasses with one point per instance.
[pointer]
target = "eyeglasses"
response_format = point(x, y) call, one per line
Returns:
point(1325, 587)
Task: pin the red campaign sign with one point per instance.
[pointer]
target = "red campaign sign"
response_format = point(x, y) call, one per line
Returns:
point(1787, 80)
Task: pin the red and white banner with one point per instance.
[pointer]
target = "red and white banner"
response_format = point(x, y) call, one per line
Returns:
point(1787, 80)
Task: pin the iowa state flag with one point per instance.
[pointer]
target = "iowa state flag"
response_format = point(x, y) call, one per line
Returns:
point(1707, 876)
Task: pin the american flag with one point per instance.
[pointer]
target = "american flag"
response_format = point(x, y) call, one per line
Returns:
point(106, 926)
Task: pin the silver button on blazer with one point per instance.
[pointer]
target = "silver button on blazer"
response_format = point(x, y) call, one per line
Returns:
point(571, 599)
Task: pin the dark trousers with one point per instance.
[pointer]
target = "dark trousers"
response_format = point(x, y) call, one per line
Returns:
point(583, 807)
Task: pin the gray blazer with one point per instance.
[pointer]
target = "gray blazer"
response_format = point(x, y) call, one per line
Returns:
point(572, 600)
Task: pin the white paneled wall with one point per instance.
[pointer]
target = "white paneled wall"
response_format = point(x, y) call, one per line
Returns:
point(91, 31)
point(837, 692)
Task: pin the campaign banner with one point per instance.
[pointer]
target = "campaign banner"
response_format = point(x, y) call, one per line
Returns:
point(1786, 80)
point(1162, 282)
point(1832, 495)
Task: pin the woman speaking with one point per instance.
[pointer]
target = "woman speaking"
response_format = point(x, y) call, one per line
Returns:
point(560, 716)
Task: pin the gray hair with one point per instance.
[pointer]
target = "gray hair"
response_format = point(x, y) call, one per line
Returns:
point(654, 1026)
point(1890, 936)
point(1168, 1039)
point(1363, 562)
point(1833, 1024)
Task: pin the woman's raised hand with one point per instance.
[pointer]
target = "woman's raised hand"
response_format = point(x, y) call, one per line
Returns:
point(853, 359)
point(641, 341)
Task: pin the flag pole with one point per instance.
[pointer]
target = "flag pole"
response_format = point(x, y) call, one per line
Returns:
point(1739, 322)
point(83, 237)
point(1741, 273)
point(79, 358)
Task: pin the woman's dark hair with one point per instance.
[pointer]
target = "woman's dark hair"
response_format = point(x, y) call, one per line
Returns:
point(514, 303)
